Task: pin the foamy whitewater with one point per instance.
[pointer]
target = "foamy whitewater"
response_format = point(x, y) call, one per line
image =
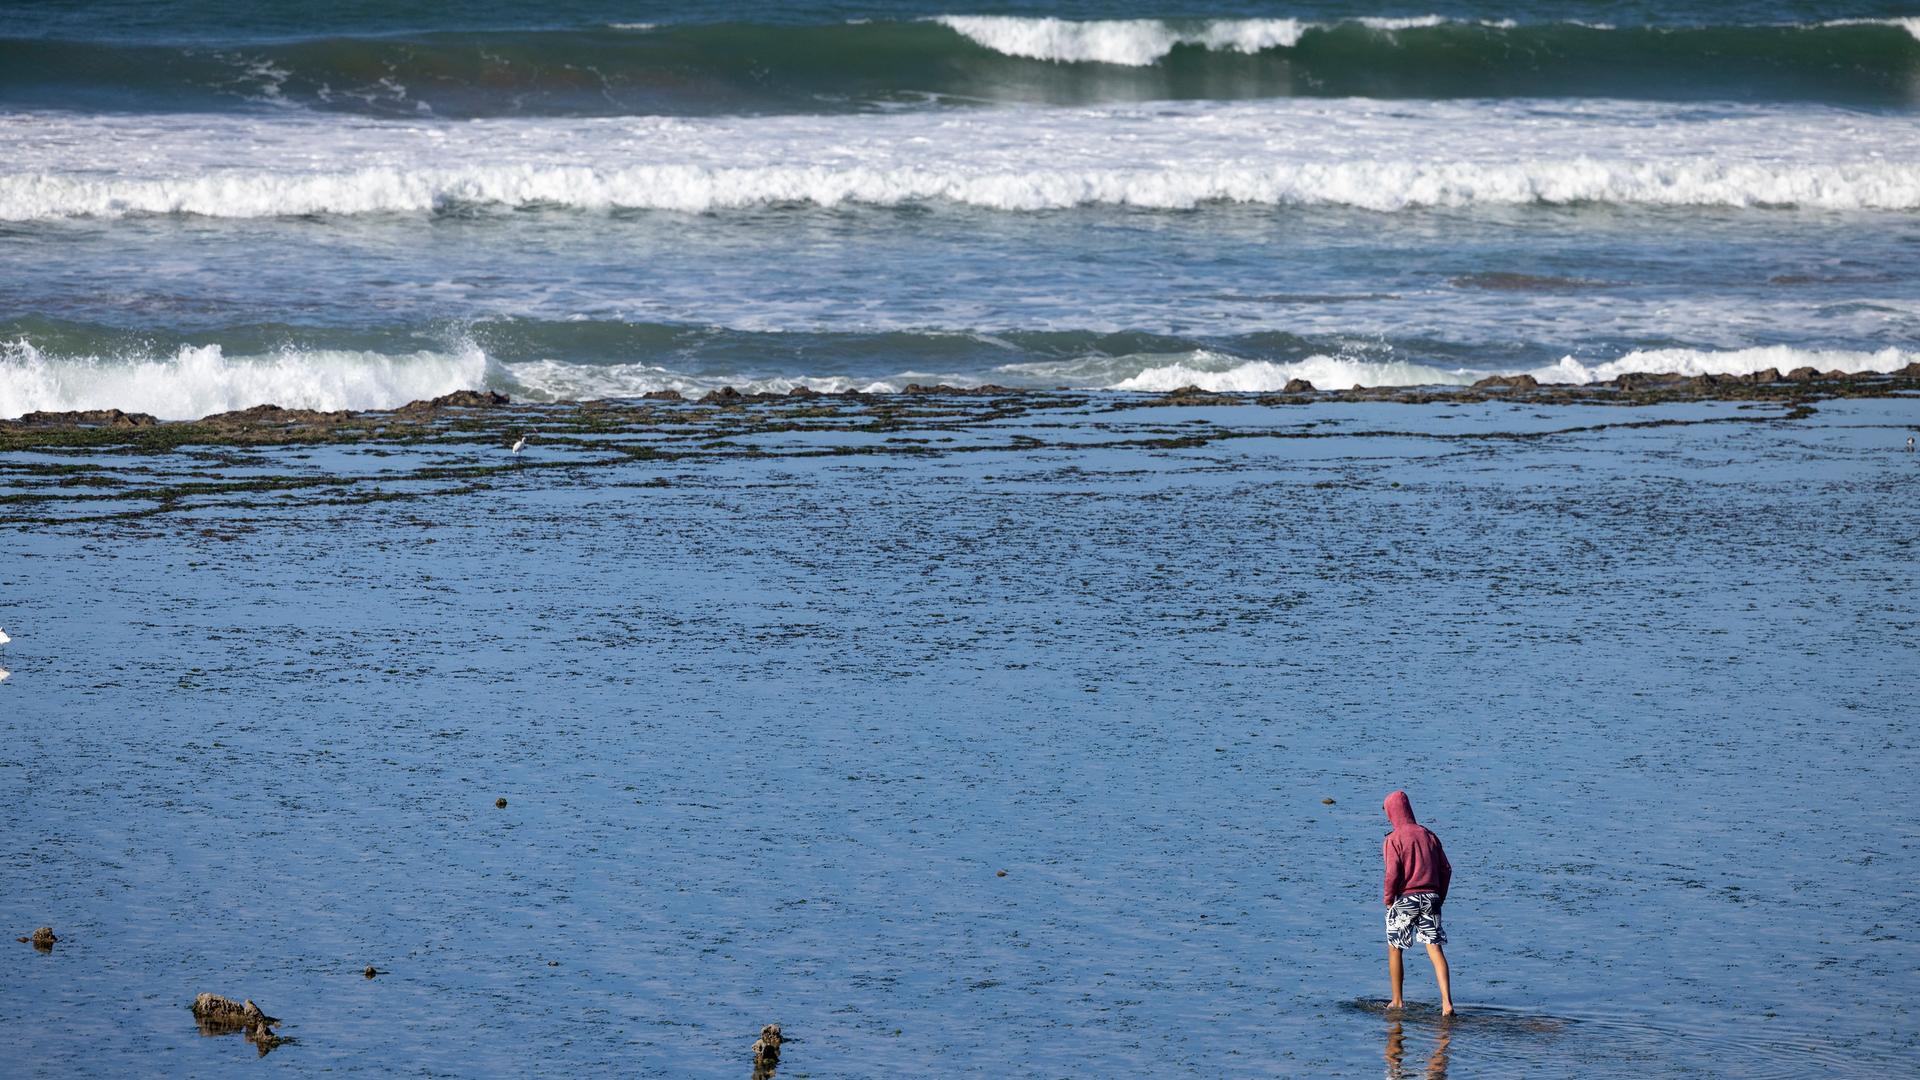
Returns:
point(201, 381)
point(1176, 156)
point(1140, 42)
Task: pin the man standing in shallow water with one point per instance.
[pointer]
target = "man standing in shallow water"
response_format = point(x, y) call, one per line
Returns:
point(1417, 874)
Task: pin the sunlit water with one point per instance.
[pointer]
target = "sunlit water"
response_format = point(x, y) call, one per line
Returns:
point(768, 735)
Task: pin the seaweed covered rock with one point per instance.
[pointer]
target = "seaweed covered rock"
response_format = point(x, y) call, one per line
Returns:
point(212, 1010)
point(109, 418)
point(1297, 386)
point(218, 1015)
point(1507, 382)
point(1189, 395)
point(273, 416)
point(1648, 380)
point(459, 399)
point(470, 399)
point(766, 1052)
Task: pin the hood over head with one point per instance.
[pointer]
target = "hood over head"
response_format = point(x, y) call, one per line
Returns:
point(1400, 810)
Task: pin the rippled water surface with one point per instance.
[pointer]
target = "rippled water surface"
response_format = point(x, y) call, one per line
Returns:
point(769, 733)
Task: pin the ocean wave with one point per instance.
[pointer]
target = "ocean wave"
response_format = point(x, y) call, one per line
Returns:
point(1223, 372)
point(715, 68)
point(1374, 185)
point(1171, 156)
point(1910, 23)
point(1725, 362)
point(1126, 42)
point(196, 381)
point(554, 380)
point(1143, 42)
point(1324, 372)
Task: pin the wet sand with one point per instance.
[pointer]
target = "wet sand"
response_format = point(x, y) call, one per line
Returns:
point(774, 692)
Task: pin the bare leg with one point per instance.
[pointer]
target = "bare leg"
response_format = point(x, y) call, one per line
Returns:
point(1439, 958)
point(1397, 972)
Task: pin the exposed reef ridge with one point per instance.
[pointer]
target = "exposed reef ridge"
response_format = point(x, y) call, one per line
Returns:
point(109, 465)
point(270, 423)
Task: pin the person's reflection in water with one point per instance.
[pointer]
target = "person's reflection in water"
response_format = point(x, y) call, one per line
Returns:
point(1397, 1052)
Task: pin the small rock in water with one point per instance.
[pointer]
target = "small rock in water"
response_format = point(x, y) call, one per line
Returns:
point(1000, 873)
point(370, 972)
point(226, 1010)
point(766, 1051)
point(224, 1016)
point(1326, 802)
point(500, 803)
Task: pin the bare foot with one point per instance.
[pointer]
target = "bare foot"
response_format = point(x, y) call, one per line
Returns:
point(1396, 1005)
point(1446, 1010)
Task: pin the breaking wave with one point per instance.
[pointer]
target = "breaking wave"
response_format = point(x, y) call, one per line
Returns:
point(194, 380)
point(709, 68)
point(1127, 42)
point(1368, 185)
point(1785, 358)
point(197, 381)
point(1170, 156)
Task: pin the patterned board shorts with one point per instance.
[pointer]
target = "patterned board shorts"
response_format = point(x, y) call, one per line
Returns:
point(1415, 917)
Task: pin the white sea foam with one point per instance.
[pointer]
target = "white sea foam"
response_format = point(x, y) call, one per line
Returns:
point(1725, 362)
point(554, 380)
point(199, 380)
point(1374, 155)
point(1384, 185)
point(1324, 372)
point(1128, 42)
point(1143, 42)
point(1909, 23)
point(1226, 373)
point(1415, 22)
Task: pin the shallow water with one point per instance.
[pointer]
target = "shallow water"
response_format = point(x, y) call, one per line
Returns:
point(768, 733)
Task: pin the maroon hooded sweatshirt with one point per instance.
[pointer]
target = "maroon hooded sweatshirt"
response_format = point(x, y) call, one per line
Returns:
point(1414, 858)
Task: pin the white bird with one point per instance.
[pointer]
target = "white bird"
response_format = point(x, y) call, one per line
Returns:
point(520, 443)
point(4, 673)
point(4, 638)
